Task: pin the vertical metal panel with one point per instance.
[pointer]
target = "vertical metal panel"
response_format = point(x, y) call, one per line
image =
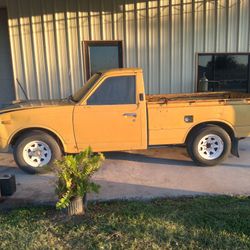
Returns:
point(27, 47)
point(221, 37)
point(199, 26)
point(233, 26)
point(210, 27)
point(107, 20)
point(118, 15)
point(95, 19)
point(154, 36)
point(165, 44)
point(61, 34)
point(161, 36)
point(244, 15)
point(187, 47)
point(49, 49)
point(39, 57)
point(74, 46)
point(176, 47)
point(130, 40)
point(6, 74)
point(142, 40)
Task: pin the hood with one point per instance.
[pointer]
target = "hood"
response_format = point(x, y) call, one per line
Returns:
point(21, 105)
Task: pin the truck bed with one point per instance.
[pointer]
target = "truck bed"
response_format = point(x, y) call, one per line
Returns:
point(166, 114)
point(203, 96)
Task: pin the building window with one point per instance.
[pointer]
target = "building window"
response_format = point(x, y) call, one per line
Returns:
point(102, 55)
point(223, 72)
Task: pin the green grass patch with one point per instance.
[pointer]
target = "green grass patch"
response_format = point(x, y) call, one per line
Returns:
point(200, 223)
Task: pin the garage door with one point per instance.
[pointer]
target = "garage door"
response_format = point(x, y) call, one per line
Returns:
point(6, 73)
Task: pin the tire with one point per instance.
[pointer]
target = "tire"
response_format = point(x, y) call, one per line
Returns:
point(209, 145)
point(36, 151)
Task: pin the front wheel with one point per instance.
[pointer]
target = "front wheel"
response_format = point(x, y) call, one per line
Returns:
point(209, 145)
point(35, 152)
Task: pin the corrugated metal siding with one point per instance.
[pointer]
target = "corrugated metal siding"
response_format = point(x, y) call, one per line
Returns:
point(6, 75)
point(161, 36)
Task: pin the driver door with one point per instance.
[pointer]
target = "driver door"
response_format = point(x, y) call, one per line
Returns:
point(113, 117)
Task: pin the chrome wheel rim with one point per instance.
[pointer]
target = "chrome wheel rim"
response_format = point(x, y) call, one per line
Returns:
point(37, 154)
point(210, 147)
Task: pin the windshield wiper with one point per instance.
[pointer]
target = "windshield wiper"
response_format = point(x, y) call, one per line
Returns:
point(69, 99)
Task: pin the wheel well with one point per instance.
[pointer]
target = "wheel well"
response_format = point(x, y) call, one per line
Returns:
point(24, 131)
point(226, 127)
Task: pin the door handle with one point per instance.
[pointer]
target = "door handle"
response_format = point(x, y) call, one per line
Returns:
point(130, 115)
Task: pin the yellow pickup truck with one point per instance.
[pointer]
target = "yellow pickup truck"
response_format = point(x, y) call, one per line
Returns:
point(111, 113)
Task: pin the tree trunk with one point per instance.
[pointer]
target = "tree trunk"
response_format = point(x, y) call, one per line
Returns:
point(77, 206)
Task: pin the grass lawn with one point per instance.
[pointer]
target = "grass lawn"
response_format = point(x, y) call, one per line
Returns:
point(199, 223)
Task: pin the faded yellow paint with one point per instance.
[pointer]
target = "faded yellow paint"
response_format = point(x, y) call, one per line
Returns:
point(167, 125)
point(106, 127)
point(55, 119)
point(159, 120)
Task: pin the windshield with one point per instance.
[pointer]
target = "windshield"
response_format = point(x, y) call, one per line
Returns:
point(87, 86)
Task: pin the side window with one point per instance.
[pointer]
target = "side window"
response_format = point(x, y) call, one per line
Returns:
point(114, 91)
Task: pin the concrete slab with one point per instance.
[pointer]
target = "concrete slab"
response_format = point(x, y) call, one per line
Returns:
point(166, 172)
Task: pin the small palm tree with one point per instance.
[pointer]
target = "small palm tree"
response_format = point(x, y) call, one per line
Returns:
point(74, 173)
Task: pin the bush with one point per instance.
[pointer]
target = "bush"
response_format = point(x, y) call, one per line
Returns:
point(74, 174)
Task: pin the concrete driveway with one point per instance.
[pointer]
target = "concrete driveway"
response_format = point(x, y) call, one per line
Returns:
point(166, 172)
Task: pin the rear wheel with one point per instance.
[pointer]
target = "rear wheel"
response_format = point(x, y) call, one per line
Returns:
point(35, 152)
point(209, 145)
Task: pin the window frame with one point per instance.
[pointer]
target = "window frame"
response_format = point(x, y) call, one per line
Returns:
point(102, 80)
point(87, 44)
point(216, 54)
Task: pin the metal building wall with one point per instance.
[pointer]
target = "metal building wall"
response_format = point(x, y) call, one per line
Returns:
point(161, 36)
point(6, 74)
